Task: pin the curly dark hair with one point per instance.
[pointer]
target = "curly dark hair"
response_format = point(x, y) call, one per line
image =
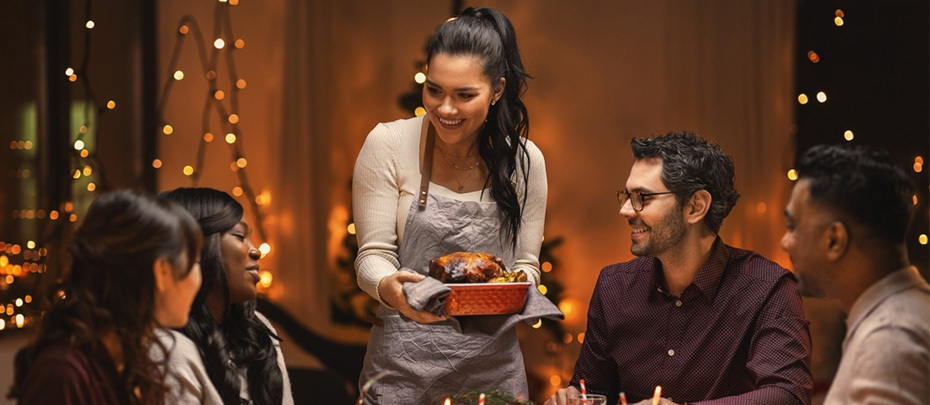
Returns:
point(488, 34)
point(864, 184)
point(110, 287)
point(691, 163)
point(241, 338)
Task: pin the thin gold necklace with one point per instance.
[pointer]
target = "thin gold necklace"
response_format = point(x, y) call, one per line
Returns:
point(446, 156)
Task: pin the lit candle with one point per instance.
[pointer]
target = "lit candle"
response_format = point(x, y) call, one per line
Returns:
point(657, 395)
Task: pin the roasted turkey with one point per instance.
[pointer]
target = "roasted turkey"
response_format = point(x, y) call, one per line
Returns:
point(471, 267)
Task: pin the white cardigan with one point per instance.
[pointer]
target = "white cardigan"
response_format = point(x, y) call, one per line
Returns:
point(386, 178)
point(187, 379)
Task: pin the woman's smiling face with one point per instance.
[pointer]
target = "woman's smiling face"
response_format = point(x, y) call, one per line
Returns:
point(240, 260)
point(457, 96)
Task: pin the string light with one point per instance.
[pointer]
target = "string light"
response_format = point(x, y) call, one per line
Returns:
point(813, 56)
point(542, 289)
point(89, 24)
point(420, 77)
point(219, 43)
point(207, 137)
point(178, 75)
point(802, 98)
point(78, 145)
point(792, 175)
point(156, 163)
point(848, 135)
point(821, 97)
point(111, 104)
point(167, 129)
point(230, 138)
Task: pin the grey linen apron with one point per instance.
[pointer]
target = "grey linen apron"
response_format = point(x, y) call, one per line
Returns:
point(426, 363)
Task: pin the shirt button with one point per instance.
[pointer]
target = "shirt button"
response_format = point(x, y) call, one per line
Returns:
point(671, 352)
point(677, 303)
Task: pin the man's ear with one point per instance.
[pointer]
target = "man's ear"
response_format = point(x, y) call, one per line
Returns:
point(164, 274)
point(698, 205)
point(836, 239)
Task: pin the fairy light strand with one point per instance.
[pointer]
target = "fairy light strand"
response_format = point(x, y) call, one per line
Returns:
point(214, 105)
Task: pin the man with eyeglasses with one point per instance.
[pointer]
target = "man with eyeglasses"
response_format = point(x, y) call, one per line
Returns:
point(709, 323)
point(847, 219)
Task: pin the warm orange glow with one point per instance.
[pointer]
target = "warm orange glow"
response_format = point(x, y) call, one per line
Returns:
point(188, 170)
point(233, 118)
point(183, 30)
point(849, 135)
point(813, 56)
point(265, 278)
point(208, 137)
point(230, 138)
point(178, 75)
point(792, 175)
point(555, 380)
point(85, 153)
point(68, 206)
point(237, 191)
point(239, 44)
point(219, 95)
point(240, 84)
point(838, 21)
point(918, 167)
point(802, 98)
point(73, 218)
point(542, 289)
point(211, 75)
point(156, 163)
point(111, 104)
point(761, 207)
point(91, 186)
point(53, 215)
point(546, 267)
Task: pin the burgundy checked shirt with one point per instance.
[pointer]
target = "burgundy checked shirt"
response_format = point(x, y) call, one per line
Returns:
point(737, 334)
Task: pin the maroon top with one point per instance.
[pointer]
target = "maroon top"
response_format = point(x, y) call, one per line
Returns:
point(72, 376)
point(737, 334)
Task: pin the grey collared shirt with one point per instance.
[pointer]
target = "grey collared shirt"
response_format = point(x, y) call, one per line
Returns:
point(886, 353)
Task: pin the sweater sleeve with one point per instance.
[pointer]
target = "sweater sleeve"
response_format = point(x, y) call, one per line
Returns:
point(187, 380)
point(375, 195)
point(530, 238)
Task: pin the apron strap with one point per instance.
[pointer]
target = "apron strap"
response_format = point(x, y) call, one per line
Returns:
point(427, 168)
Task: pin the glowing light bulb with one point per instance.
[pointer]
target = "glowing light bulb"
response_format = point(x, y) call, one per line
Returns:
point(838, 21)
point(233, 118)
point(821, 96)
point(167, 129)
point(239, 44)
point(265, 278)
point(78, 144)
point(265, 248)
point(555, 381)
point(208, 137)
point(802, 98)
point(178, 75)
point(813, 56)
point(219, 43)
point(241, 163)
point(922, 239)
point(69, 72)
point(219, 95)
point(184, 29)
point(419, 111)
point(420, 77)
point(111, 104)
point(188, 170)
point(89, 24)
point(351, 229)
point(848, 135)
point(542, 289)
point(792, 175)
point(230, 138)
point(240, 84)
point(538, 324)
point(91, 186)
point(546, 267)
point(237, 191)
point(157, 163)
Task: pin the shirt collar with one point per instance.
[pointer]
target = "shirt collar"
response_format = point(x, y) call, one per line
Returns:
point(708, 278)
point(876, 293)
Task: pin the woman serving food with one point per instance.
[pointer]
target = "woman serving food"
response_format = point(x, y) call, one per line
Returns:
point(464, 177)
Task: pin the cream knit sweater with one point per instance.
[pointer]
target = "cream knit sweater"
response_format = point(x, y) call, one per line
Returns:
point(386, 178)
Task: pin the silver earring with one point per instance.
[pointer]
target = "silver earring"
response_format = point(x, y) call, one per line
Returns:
point(493, 102)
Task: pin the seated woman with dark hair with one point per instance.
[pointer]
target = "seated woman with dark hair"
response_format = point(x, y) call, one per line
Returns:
point(134, 268)
point(228, 352)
